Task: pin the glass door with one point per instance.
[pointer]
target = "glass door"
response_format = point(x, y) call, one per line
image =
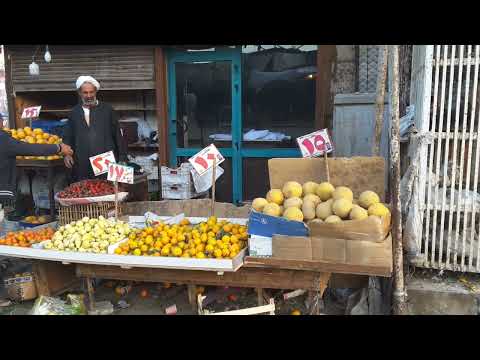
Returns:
point(204, 106)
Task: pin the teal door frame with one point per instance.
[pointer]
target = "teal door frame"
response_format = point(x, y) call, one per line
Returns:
point(236, 152)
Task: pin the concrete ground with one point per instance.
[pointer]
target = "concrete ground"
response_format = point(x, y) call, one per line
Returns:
point(434, 292)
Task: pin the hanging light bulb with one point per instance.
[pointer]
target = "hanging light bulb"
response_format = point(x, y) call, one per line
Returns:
point(34, 69)
point(48, 56)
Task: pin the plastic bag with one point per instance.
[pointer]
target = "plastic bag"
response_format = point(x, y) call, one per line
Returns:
point(46, 305)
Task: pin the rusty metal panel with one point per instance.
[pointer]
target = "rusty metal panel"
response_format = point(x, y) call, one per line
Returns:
point(115, 67)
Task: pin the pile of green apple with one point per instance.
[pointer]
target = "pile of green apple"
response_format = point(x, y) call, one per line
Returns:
point(88, 235)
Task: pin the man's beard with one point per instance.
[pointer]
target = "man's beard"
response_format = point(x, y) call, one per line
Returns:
point(89, 102)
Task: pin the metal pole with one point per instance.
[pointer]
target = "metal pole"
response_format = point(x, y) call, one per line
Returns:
point(399, 305)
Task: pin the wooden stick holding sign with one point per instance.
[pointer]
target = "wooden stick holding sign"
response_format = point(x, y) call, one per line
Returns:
point(115, 186)
point(327, 171)
point(213, 183)
point(203, 161)
point(316, 144)
point(119, 173)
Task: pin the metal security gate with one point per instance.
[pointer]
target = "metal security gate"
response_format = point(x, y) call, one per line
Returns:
point(445, 94)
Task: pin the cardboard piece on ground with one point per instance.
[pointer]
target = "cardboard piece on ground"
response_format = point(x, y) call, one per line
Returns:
point(358, 173)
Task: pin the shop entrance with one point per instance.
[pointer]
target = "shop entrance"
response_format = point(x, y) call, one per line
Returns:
point(251, 104)
point(204, 92)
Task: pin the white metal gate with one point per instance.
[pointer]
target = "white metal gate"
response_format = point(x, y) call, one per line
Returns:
point(444, 91)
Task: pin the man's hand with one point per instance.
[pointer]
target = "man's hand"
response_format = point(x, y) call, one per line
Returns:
point(66, 150)
point(68, 160)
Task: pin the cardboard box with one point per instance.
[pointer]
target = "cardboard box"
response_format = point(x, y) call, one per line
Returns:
point(357, 243)
point(21, 288)
point(266, 225)
point(292, 247)
point(262, 227)
point(332, 250)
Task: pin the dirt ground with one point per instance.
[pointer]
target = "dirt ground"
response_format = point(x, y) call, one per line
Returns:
point(161, 296)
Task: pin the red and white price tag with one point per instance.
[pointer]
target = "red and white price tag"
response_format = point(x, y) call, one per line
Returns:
point(315, 144)
point(31, 112)
point(101, 162)
point(203, 160)
point(120, 173)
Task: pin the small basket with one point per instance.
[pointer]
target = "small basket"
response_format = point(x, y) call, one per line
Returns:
point(21, 288)
point(67, 214)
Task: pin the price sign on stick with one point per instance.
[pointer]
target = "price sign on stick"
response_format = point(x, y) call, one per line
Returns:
point(315, 144)
point(203, 160)
point(101, 162)
point(31, 112)
point(120, 173)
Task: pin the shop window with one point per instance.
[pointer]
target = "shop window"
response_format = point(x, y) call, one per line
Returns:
point(204, 102)
point(278, 92)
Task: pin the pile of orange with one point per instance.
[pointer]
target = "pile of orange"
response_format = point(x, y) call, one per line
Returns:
point(27, 238)
point(34, 136)
point(210, 239)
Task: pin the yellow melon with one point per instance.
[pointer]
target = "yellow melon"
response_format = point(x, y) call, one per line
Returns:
point(325, 190)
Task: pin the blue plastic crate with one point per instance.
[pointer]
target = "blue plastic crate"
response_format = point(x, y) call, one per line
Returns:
point(54, 127)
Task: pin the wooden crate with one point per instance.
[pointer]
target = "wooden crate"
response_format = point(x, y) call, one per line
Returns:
point(67, 214)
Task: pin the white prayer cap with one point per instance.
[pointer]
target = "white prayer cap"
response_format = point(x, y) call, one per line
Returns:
point(83, 79)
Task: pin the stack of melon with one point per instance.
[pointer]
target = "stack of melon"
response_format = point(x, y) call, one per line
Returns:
point(320, 203)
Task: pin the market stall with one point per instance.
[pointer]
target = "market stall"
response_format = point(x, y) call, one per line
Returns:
point(184, 242)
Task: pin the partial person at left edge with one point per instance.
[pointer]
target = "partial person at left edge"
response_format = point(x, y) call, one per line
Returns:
point(10, 148)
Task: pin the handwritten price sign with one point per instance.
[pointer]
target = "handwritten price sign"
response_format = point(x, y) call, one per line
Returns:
point(203, 160)
point(315, 144)
point(101, 162)
point(31, 112)
point(120, 173)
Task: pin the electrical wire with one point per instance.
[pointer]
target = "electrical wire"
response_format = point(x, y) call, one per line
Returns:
point(35, 53)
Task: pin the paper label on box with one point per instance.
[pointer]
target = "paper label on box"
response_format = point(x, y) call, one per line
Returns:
point(260, 246)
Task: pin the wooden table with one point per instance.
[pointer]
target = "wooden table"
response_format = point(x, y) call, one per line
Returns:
point(50, 166)
point(251, 277)
point(258, 273)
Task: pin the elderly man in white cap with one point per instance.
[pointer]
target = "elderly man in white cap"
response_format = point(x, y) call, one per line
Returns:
point(92, 129)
